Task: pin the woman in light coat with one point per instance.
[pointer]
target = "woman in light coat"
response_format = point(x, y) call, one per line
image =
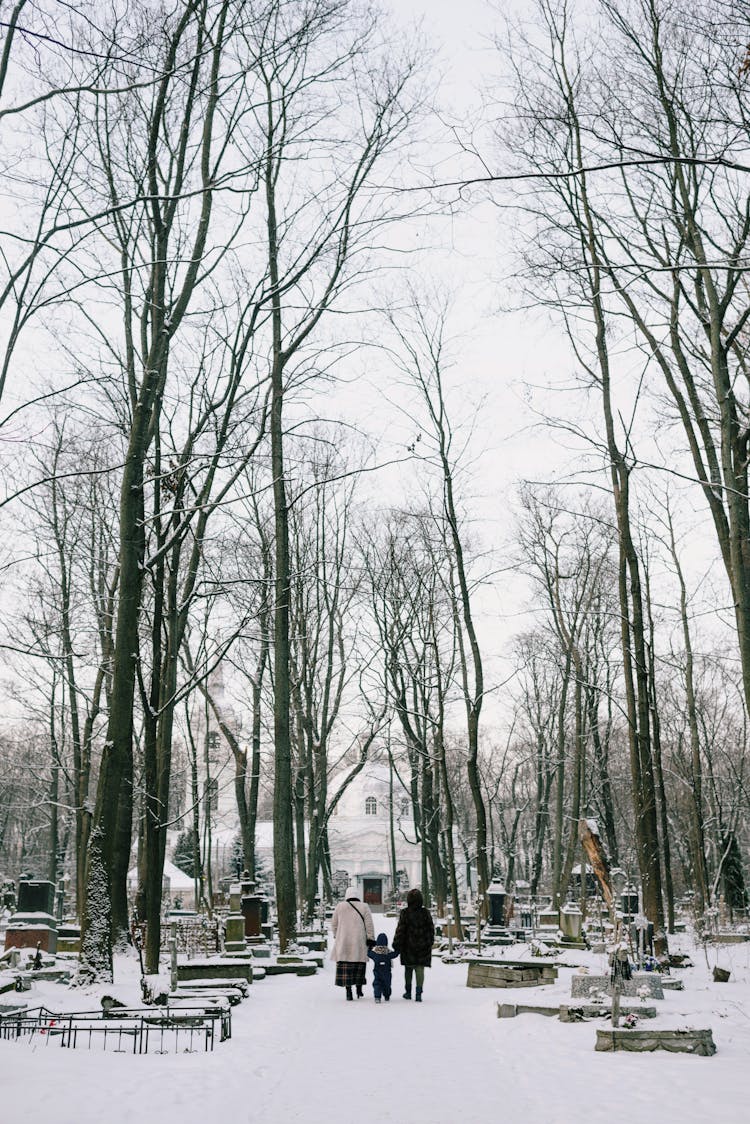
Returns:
point(353, 933)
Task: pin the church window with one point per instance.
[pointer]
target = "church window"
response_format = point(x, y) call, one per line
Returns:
point(371, 806)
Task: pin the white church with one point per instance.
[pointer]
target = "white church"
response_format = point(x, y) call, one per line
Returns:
point(365, 834)
point(360, 836)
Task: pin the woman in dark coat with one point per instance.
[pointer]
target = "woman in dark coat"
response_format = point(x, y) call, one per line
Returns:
point(413, 940)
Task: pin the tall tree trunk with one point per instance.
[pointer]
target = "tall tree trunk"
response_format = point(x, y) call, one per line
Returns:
point(605, 784)
point(557, 837)
point(635, 670)
point(698, 841)
point(666, 854)
point(283, 853)
point(105, 919)
point(576, 784)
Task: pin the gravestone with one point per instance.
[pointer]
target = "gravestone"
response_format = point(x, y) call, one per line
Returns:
point(549, 919)
point(68, 938)
point(505, 974)
point(698, 1042)
point(251, 906)
point(571, 925)
point(496, 896)
point(648, 983)
point(36, 897)
point(33, 924)
point(629, 903)
point(234, 924)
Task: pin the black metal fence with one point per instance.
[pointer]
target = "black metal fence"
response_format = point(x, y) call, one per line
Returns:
point(196, 936)
point(162, 1030)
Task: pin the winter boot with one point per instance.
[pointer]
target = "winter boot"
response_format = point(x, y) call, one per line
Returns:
point(418, 996)
point(349, 993)
point(360, 992)
point(377, 998)
point(407, 994)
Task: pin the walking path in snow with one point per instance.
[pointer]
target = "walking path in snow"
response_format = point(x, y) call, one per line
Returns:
point(300, 1052)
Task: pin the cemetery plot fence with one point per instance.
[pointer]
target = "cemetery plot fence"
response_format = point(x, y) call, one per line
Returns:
point(197, 936)
point(182, 1030)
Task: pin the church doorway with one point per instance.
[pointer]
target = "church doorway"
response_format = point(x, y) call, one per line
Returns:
point(372, 890)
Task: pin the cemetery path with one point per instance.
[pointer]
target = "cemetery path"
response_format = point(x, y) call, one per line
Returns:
point(396, 1061)
point(300, 1052)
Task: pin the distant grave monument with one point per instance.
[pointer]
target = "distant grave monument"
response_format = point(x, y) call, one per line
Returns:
point(251, 907)
point(33, 924)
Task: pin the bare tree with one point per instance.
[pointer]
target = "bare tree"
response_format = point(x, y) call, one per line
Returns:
point(323, 69)
point(171, 144)
point(423, 361)
point(573, 261)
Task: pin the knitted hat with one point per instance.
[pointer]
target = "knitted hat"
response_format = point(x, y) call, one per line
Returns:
point(351, 893)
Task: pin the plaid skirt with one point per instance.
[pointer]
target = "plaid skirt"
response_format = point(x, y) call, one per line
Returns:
point(350, 974)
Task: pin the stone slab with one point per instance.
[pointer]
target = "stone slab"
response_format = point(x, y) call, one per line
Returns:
point(231, 995)
point(651, 982)
point(29, 936)
point(568, 1013)
point(68, 944)
point(229, 968)
point(7, 983)
point(15, 1009)
point(575, 1013)
point(505, 962)
point(36, 895)
point(49, 975)
point(302, 969)
point(213, 987)
point(586, 986)
point(216, 982)
point(510, 1010)
point(504, 974)
point(699, 1042)
point(33, 918)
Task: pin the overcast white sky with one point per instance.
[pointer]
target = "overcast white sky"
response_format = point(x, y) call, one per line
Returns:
point(505, 361)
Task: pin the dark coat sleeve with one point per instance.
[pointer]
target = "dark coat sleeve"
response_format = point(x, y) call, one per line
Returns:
point(400, 934)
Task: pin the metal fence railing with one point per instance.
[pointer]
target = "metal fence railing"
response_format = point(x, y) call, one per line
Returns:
point(165, 1030)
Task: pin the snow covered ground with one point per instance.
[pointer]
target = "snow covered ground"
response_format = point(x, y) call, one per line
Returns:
point(300, 1052)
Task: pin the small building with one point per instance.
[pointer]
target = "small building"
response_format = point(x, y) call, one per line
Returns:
point(178, 887)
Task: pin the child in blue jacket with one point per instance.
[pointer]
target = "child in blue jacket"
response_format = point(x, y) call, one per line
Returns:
point(381, 976)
